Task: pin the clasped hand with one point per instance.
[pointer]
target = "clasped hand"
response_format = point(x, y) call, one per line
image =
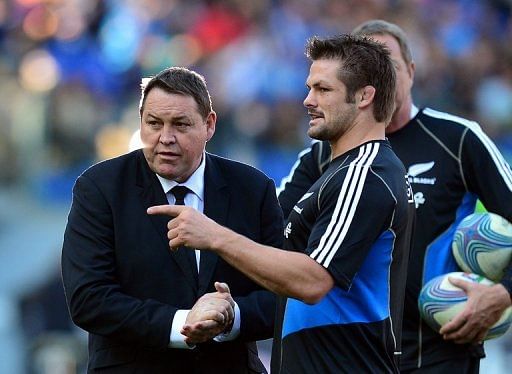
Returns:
point(211, 315)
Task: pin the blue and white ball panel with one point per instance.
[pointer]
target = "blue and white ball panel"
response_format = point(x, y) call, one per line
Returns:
point(440, 301)
point(482, 244)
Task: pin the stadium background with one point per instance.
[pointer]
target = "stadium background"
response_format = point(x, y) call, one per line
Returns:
point(69, 75)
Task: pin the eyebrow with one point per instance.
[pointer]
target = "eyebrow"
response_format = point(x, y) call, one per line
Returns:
point(179, 117)
point(151, 115)
point(319, 83)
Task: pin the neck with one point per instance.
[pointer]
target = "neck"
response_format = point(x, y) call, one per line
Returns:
point(401, 117)
point(357, 135)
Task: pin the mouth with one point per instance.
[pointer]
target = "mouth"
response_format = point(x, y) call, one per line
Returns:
point(168, 155)
point(314, 116)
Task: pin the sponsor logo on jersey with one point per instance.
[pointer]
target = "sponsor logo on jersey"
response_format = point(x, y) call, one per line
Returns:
point(410, 195)
point(417, 169)
point(306, 195)
point(288, 230)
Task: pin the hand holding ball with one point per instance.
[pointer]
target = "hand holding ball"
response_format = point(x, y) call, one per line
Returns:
point(440, 301)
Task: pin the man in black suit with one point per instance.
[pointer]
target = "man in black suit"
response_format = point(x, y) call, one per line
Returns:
point(149, 310)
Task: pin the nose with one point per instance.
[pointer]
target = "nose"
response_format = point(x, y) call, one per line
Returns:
point(167, 136)
point(309, 101)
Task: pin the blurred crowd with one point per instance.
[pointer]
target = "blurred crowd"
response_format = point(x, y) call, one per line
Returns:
point(70, 70)
point(70, 73)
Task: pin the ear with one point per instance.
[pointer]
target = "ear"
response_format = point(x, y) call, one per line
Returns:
point(211, 120)
point(411, 68)
point(365, 96)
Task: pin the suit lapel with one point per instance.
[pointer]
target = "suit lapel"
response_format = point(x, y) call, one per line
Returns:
point(216, 207)
point(151, 193)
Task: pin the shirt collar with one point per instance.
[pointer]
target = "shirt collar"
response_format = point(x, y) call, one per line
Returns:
point(195, 182)
point(414, 111)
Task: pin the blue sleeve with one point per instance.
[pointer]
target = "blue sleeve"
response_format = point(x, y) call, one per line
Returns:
point(349, 225)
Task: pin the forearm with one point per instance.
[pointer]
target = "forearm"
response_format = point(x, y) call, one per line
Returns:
point(286, 273)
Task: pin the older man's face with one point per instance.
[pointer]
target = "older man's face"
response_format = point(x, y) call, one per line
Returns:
point(174, 134)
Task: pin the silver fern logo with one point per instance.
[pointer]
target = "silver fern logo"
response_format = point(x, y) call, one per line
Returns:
point(421, 168)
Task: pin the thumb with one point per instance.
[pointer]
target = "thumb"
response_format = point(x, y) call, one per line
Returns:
point(464, 285)
point(222, 287)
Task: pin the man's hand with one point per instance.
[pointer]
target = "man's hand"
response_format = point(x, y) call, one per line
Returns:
point(189, 227)
point(483, 309)
point(211, 315)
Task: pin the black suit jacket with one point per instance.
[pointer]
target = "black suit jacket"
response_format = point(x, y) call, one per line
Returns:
point(123, 285)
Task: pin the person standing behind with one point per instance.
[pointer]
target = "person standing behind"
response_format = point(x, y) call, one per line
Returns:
point(147, 309)
point(348, 237)
point(451, 162)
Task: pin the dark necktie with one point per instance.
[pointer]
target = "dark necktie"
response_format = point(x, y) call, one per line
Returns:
point(179, 193)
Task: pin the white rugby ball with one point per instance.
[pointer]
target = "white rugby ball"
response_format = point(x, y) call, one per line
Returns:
point(482, 244)
point(440, 301)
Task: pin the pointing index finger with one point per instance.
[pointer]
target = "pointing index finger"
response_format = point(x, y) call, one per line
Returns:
point(168, 210)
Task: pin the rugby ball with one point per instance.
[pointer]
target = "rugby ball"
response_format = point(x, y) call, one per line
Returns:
point(440, 301)
point(482, 244)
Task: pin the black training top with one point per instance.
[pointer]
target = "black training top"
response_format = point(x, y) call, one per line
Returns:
point(354, 221)
point(451, 163)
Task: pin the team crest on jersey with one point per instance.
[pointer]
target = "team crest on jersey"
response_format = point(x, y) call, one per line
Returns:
point(416, 169)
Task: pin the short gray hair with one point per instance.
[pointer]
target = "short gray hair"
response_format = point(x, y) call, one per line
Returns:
point(381, 27)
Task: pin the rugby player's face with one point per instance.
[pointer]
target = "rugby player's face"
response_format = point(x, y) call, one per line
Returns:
point(174, 134)
point(331, 115)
